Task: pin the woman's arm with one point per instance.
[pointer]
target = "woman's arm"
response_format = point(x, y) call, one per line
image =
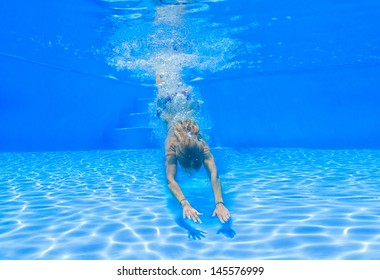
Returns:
point(220, 210)
point(171, 170)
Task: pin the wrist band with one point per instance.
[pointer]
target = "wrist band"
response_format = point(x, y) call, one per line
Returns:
point(182, 200)
point(220, 202)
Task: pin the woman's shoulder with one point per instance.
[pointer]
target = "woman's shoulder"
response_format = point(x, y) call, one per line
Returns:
point(206, 149)
point(170, 143)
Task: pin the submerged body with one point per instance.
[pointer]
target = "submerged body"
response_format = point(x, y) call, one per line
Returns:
point(185, 145)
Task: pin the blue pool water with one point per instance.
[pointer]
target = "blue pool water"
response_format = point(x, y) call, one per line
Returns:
point(285, 204)
point(288, 95)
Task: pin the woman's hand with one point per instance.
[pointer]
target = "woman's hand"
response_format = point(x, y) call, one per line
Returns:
point(221, 212)
point(191, 213)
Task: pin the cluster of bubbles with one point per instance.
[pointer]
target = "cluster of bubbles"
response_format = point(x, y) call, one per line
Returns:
point(172, 43)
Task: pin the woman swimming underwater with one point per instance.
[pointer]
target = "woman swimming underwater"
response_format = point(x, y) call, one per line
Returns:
point(185, 145)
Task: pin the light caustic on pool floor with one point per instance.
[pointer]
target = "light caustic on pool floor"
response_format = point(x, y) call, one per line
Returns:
point(285, 204)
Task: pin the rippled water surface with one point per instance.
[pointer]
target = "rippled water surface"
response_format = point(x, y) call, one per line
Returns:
point(285, 204)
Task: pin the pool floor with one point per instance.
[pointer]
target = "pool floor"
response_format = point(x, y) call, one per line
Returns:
point(285, 204)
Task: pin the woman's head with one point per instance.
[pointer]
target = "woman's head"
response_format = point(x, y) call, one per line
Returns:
point(190, 149)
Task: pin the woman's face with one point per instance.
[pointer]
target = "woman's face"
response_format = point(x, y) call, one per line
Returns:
point(190, 155)
point(190, 163)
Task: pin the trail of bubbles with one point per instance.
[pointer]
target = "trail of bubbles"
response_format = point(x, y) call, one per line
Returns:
point(174, 41)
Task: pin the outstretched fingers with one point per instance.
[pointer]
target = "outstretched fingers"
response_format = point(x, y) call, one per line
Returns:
point(223, 215)
point(192, 215)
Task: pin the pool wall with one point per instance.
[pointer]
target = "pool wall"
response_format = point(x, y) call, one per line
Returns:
point(60, 110)
point(329, 108)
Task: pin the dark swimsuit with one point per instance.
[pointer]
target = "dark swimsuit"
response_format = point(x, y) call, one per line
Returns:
point(163, 102)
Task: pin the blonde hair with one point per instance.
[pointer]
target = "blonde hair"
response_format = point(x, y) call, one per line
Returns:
point(190, 148)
